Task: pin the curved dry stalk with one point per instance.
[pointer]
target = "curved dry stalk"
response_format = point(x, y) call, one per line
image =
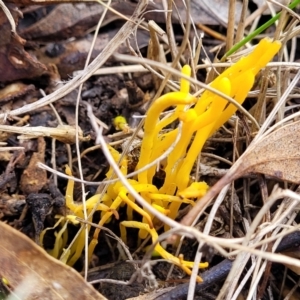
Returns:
point(9, 17)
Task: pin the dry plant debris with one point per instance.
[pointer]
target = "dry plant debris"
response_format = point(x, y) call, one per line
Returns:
point(32, 274)
point(163, 150)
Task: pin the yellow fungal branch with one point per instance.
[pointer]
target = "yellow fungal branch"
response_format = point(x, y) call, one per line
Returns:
point(185, 265)
point(200, 118)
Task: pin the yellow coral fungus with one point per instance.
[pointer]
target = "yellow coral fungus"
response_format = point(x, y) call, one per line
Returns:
point(199, 119)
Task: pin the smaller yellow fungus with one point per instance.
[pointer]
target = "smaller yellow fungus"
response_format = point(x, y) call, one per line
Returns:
point(195, 190)
point(120, 123)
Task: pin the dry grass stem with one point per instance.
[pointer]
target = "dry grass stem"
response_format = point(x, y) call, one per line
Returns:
point(9, 17)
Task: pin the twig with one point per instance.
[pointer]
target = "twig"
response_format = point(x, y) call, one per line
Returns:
point(230, 25)
point(9, 17)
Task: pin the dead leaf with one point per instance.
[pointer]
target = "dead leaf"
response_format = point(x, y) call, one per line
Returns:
point(71, 56)
point(74, 19)
point(62, 22)
point(33, 274)
point(71, 19)
point(15, 62)
point(276, 155)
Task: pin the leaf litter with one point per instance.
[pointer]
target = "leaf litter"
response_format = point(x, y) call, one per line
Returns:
point(276, 155)
point(32, 274)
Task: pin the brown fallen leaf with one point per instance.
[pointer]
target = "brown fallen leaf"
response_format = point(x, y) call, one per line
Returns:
point(71, 56)
point(276, 154)
point(33, 274)
point(15, 62)
point(62, 22)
